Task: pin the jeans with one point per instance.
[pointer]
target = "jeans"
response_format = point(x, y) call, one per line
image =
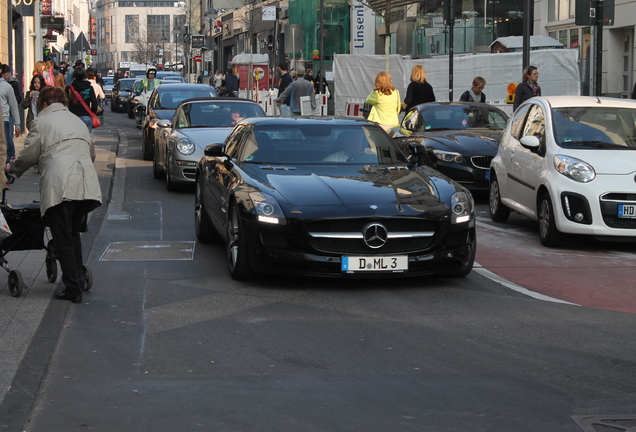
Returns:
point(8, 134)
point(65, 221)
point(285, 110)
point(88, 121)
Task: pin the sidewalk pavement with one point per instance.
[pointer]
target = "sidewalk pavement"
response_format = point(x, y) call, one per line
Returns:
point(20, 317)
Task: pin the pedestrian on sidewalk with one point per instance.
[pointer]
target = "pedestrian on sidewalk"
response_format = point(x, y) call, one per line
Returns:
point(30, 102)
point(62, 147)
point(419, 90)
point(385, 102)
point(476, 92)
point(297, 89)
point(85, 90)
point(284, 82)
point(528, 88)
point(10, 114)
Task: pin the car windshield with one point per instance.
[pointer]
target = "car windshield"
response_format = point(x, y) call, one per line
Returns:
point(322, 144)
point(108, 81)
point(126, 83)
point(170, 99)
point(213, 114)
point(595, 127)
point(456, 117)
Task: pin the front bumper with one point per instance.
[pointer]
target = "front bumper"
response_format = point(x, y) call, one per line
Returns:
point(283, 251)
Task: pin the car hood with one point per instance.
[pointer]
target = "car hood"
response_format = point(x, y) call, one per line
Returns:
point(606, 162)
point(469, 142)
point(349, 185)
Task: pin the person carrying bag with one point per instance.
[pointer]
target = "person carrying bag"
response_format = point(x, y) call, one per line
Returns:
point(94, 117)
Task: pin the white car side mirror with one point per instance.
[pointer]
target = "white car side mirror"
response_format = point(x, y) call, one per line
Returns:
point(531, 142)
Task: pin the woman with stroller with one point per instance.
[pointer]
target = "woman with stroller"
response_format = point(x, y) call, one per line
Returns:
point(61, 145)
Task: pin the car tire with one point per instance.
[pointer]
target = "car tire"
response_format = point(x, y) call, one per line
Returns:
point(202, 226)
point(498, 211)
point(170, 185)
point(548, 232)
point(144, 147)
point(469, 266)
point(156, 172)
point(237, 262)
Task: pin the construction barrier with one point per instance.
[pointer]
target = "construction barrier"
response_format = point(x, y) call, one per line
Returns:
point(354, 108)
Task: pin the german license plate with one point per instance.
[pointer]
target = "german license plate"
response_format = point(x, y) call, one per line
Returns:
point(395, 264)
point(627, 211)
point(487, 175)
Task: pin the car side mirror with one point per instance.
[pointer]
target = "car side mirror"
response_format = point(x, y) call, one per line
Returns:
point(214, 150)
point(530, 142)
point(164, 124)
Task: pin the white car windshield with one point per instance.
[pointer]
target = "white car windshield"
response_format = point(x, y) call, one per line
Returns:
point(595, 127)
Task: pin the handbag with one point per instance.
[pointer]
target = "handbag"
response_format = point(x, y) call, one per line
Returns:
point(5, 231)
point(96, 122)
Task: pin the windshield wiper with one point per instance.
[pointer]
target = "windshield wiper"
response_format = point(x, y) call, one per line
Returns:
point(595, 144)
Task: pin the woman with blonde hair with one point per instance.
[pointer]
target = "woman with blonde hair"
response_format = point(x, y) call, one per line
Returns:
point(38, 68)
point(384, 101)
point(48, 73)
point(419, 90)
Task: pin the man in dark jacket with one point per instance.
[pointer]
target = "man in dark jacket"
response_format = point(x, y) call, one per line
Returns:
point(231, 83)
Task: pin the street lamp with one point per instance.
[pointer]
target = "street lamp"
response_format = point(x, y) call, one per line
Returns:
point(210, 15)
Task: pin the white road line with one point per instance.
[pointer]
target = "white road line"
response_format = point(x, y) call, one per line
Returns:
point(513, 286)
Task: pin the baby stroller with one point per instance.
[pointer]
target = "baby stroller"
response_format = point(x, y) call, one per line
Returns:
point(28, 232)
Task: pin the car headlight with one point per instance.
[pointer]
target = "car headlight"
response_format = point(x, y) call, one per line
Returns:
point(451, 157)
point(267, 209)
point(574, 168)
point(462, 207)
point(185, 146)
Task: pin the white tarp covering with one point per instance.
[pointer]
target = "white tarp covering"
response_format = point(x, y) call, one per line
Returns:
point(558, 74)
point(250, 58)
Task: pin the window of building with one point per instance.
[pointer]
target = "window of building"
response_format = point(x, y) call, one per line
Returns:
point(157, 25)
point(132, 28)
point(559, 10)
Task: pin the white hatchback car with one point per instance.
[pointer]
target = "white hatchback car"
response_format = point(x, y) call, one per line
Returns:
point(570, 163)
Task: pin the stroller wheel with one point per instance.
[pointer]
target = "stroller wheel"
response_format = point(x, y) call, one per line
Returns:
point(50, 248)
point(88, 277)
point(16, 284)
point(51, 268)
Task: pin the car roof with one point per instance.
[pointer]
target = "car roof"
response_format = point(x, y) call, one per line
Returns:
point(218, 99)
point(587, 101)
point(166, 85)
point(310, 120)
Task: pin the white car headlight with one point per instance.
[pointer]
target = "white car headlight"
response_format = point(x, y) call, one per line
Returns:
point(462, 207)
point(446, 156)
point(185, 146)
point(574, 168)
point(267, 209)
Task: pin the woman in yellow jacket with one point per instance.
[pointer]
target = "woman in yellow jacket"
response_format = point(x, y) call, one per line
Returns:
point(385, 102)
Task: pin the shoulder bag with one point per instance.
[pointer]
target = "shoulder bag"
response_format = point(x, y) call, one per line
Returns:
point(96, 122)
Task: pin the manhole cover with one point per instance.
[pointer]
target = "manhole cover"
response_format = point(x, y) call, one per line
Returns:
point(149, 251)
point(608, 423)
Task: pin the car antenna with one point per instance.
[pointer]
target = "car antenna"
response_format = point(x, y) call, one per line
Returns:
point(598, 99)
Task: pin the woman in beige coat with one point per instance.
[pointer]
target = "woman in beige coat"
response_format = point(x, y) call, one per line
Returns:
point(61, 145)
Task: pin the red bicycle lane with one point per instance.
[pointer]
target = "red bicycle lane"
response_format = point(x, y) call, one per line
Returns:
point(584, 272)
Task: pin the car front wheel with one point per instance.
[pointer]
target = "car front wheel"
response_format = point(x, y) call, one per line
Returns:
point(498, 212)
point(147, 155)
point(202, 225)
point(548, 232)
point(237, 262)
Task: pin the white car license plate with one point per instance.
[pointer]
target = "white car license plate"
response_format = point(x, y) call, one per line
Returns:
point(396, 264)
point(627, 211)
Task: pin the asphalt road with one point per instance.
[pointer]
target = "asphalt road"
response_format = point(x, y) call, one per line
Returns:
point(167, 341)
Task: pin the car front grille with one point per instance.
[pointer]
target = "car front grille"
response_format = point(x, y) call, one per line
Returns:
point(416, 235)
point(482, 162)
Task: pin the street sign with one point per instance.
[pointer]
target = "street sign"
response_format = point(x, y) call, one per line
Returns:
point(197, 41)
point(207, 56)
point(434, 31)
point(198, 58)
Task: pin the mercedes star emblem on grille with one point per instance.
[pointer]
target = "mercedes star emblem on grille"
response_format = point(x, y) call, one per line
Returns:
point(375, 235)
